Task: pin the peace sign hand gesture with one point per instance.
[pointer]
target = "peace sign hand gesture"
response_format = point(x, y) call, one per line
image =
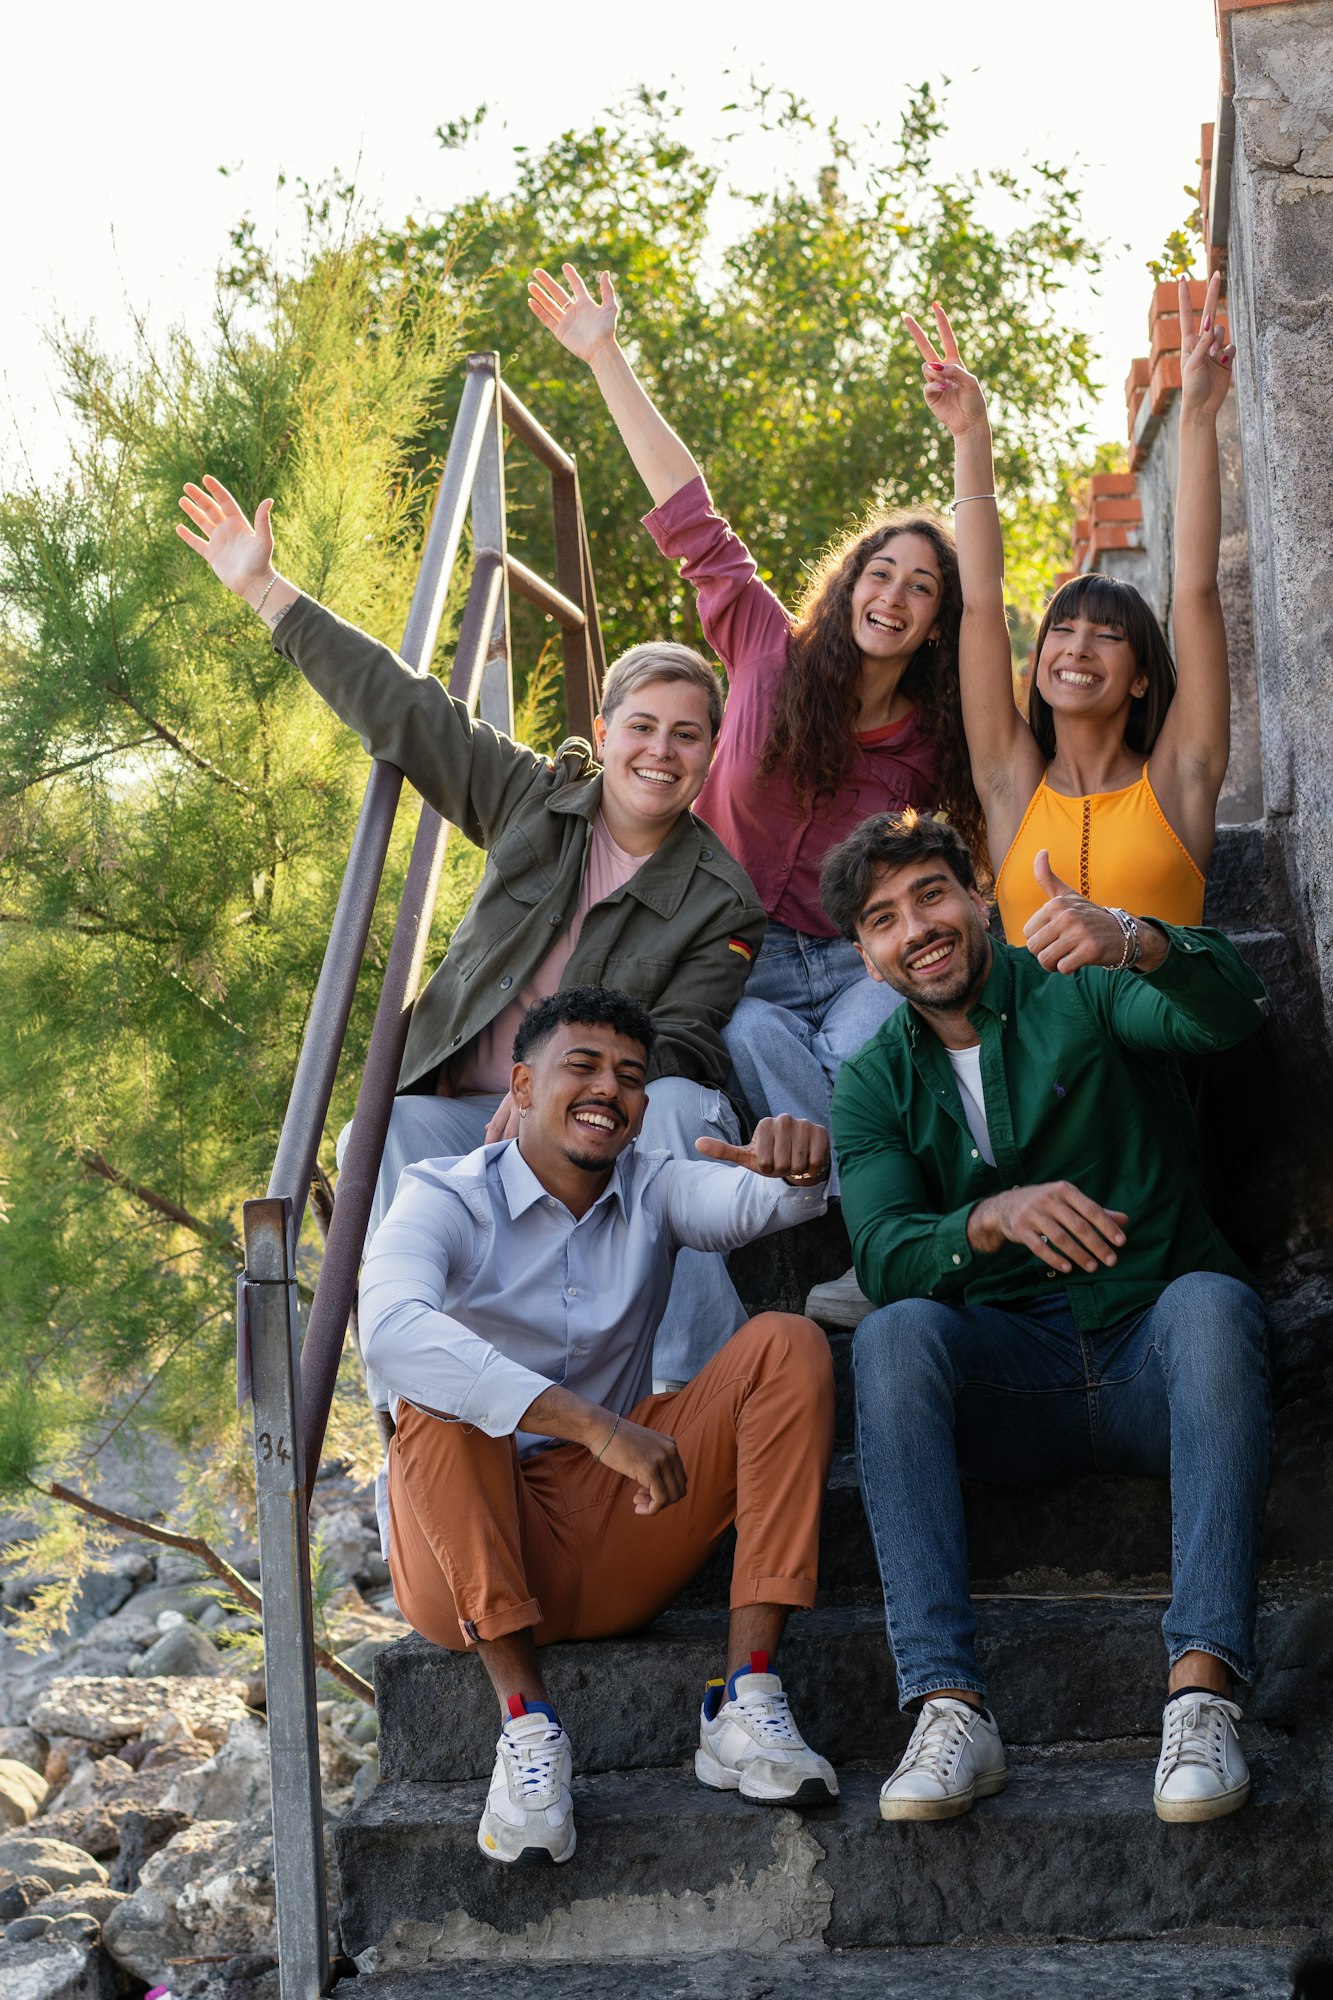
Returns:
point(953, 394)
point(1205, 357)
point(579, 322)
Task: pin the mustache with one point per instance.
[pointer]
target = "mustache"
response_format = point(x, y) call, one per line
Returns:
point(602, 1110)
point(915, 949)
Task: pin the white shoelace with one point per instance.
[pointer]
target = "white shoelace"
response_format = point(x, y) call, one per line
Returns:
point(534, 1768)
point(938, 1741)
point(772, 1718)
point(1196, 1733)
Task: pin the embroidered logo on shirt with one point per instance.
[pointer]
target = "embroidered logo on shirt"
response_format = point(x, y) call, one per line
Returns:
point(741, 948)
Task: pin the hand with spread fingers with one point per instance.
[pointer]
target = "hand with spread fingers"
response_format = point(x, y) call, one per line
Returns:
point(1205, 357)
point(239, 554)
point(783, 1148)
point(581, 323)
point(954, 395)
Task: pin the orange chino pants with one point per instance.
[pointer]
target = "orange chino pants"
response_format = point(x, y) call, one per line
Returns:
point(484, 1543)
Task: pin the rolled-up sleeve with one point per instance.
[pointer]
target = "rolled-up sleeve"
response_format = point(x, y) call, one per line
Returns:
point(711, 1206)
point(409, 1342)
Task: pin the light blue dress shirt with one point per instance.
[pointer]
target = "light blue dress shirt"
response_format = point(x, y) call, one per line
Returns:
point(480, 1290)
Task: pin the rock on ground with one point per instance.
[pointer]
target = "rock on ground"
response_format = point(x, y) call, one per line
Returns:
point(208, 1892)
point(110, 1708)
point(57, 1969)
point(63, 1866)
point(23, 1792)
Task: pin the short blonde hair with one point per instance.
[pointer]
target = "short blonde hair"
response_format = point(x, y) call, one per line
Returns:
point(661, 660)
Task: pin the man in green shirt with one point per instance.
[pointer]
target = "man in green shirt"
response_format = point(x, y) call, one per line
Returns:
point(1019, 1173)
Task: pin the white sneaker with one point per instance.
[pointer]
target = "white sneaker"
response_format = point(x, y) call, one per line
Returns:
point(748, 1743)
point(954, 1758)
point(840, 1302)
point(529, 1813)
point(1201, 1773)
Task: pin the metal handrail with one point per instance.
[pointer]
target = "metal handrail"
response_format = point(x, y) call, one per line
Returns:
point(294, 1379)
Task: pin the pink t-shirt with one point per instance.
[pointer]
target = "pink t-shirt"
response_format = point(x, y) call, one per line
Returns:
point(778, 838)
point(486, 1062)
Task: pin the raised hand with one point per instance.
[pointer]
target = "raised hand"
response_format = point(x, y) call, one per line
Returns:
point(954, 395)
point(783, 1148)
point(1069, 930)
point(580, 322)
point(1205, 357)
point(240, 555)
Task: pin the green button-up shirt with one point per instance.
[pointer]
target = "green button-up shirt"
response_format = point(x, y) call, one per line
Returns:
point(1081, 1084)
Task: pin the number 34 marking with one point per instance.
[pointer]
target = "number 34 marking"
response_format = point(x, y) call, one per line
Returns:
point(268, 1451)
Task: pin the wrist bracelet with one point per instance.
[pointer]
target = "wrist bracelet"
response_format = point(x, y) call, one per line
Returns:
point(610, 1434)
point(1133, 950)
point(259, 608)
point(954, 505)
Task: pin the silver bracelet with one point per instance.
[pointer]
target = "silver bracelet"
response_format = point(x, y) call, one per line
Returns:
point(954, 505)
point(259, 608)
point(1133, 951)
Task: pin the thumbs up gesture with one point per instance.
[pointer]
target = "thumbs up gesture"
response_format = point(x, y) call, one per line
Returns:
point(1069, 931)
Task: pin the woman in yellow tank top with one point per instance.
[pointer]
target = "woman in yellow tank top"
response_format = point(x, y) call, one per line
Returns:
point(1106, 794)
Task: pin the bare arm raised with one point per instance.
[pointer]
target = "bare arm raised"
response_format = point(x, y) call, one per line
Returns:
point(1189, 759)
point(587, 328)
point(1007, 764)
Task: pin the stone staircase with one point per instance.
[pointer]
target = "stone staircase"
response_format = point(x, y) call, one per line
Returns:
point(1066, 1883)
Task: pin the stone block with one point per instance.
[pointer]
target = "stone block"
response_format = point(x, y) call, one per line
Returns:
point(1072, 1848)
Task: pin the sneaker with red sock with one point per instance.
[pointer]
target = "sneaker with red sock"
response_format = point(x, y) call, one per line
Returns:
point(749, 1743)
point(529, 1813)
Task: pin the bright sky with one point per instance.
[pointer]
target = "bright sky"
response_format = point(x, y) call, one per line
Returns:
point(118, 118)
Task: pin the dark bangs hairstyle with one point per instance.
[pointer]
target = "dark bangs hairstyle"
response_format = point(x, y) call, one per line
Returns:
point(1105, 600)
point(817, 705)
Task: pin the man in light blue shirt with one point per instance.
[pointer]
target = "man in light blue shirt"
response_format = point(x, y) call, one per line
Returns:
point(537, 1489)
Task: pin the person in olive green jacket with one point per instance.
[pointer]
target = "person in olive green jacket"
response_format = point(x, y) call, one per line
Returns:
point(1020, 1181)
point(597, 874)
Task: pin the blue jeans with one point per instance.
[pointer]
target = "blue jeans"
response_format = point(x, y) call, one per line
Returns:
point(808, 1004)
point(1179, 1390)
point(704, 1308)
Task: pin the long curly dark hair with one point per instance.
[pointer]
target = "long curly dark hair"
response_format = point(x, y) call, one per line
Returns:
point(817, 704)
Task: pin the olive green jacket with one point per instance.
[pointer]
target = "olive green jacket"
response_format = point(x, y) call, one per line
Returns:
point(679, 936)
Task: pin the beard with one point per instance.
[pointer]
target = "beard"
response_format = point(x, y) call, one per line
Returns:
point(945, 996)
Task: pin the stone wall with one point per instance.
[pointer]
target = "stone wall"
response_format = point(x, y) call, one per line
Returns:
point(1271, 208)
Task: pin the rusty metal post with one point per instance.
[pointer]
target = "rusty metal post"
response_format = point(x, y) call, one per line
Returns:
point(495, 703)
point(284, 1565)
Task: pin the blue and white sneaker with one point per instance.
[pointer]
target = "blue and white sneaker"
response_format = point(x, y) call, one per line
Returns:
point(748, 1743)
point(529, 1812)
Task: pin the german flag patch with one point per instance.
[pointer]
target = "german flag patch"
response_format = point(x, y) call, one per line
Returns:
point(741, 948)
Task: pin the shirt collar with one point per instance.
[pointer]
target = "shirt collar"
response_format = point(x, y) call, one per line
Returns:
point(522, 1189)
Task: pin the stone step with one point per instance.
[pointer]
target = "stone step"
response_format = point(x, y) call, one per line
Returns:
point(1071, 1849)
point(1058, 1669)
point(1162, 1970)
point(1237, 890)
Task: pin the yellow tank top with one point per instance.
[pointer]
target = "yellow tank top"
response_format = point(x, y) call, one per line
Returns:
point(1115, 847)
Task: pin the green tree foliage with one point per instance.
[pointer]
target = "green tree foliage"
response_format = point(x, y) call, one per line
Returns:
point(781, 359)
point(175, 808)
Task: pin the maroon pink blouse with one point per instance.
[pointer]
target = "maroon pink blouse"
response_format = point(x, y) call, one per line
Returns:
point(779, 839)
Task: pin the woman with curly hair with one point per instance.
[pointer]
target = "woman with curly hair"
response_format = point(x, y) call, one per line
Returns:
point(849, 708)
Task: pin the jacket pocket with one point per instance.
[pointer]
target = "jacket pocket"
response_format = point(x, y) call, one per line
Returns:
point(526, 873)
